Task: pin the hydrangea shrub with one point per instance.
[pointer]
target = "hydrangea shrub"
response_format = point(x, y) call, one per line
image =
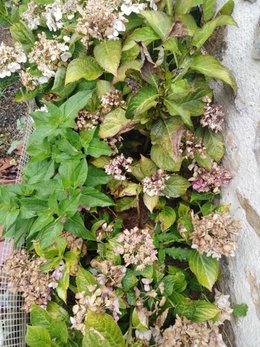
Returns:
point(117, 206)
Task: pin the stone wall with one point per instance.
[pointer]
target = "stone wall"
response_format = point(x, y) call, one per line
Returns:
point(242, 56)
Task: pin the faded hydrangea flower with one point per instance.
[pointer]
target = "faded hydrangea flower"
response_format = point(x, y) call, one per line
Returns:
point(32, 16)
point(155, 185)
point(119, 166)
point(26, 277)
point(215, 234)
point(98, 300)
point(114, 143)
point(213, 116)
point(137, 248)
point(11, 59)
point(87, 120)
point(110, 275)
point(74, 243)
point(223, 303)
point(104, 231)
point(204, 180)
point(191, 145)
point(29, 81)
point(185, 333)
point(111, 100)
point(99, 20)
point(48, 55)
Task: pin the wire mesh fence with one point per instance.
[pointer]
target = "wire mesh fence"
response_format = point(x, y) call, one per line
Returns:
point(12, 319)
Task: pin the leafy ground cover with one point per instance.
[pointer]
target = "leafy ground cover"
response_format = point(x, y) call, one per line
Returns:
point(117, 206)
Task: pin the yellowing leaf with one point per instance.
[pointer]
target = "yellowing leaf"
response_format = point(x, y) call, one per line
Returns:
point(143, 101)
point(131, 65)
point(150, 201)
point(160, 22)
point(167, 218)
point(211, 67)
point(108, 55)
point(206, 269)
point(86, 68)
point(113, 123)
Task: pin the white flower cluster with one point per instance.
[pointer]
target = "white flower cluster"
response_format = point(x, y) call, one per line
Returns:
point(53, 14)
point(155, 185)
point(119, 166)
point(137, 248)
point(48, 55)
point(11, 59)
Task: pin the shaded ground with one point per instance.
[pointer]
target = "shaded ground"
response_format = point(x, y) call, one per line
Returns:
point(10, 134)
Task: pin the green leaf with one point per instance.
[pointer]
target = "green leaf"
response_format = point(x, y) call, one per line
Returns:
point(86, 68)
point(125, 204)
point(92, 339)
point(178, 253)
point(73, 173)
point(164, 160)
point(204, 311)
point(164, 152)
point(203, 34)
point(239, 310)
point(91, 197)
point(121, 73)
point(96, 177)
point(214, 142)
point(208, 9)
point(174, 283)
point(206, 269)
point(183, 6)
point(176, 186)
point(150, 201)
point(108, 55)
point(113, 123)
point(227, 8)
point(63, 284)
point(84, 279)
point(50, 233)
point(167, 217)
point(143, 101)
point(59, 332)
point(97, 148)
point(75, 225)
point(159, 21)
point(177, 110)
point(73, 105)
point(129, 281)
point(171, 44)
point(37, 337)
point(57, 312)
point(39, 171)
point(146, 35)
point(104, 326)
point(39, 316)
point(211, 67)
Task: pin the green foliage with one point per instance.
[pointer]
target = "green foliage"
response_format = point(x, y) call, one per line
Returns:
point(112, 153)
point(239, 310)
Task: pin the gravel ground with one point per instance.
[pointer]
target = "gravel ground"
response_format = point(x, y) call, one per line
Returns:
point(10, 110)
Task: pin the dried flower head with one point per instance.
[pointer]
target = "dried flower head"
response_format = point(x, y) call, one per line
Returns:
point(74, 243)
point(155, 184)
point(87, 120)
point(11, 59)
point(26, 277)
point(32, 16)
point(223, 303)
point(111, 100)
point(48, 55)
point(215, 234)
point(29, 81)
point(204, 180)
point(137, 248)
point(104, 231)
point(114, 143)
point(185, 333)
point(191, 145)
point(99, 300)
point(119, 166)
point(109, 275)
point(100, 20)
point(213, 116)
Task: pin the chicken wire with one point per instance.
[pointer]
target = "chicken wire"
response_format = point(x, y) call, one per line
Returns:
point(12, 319)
